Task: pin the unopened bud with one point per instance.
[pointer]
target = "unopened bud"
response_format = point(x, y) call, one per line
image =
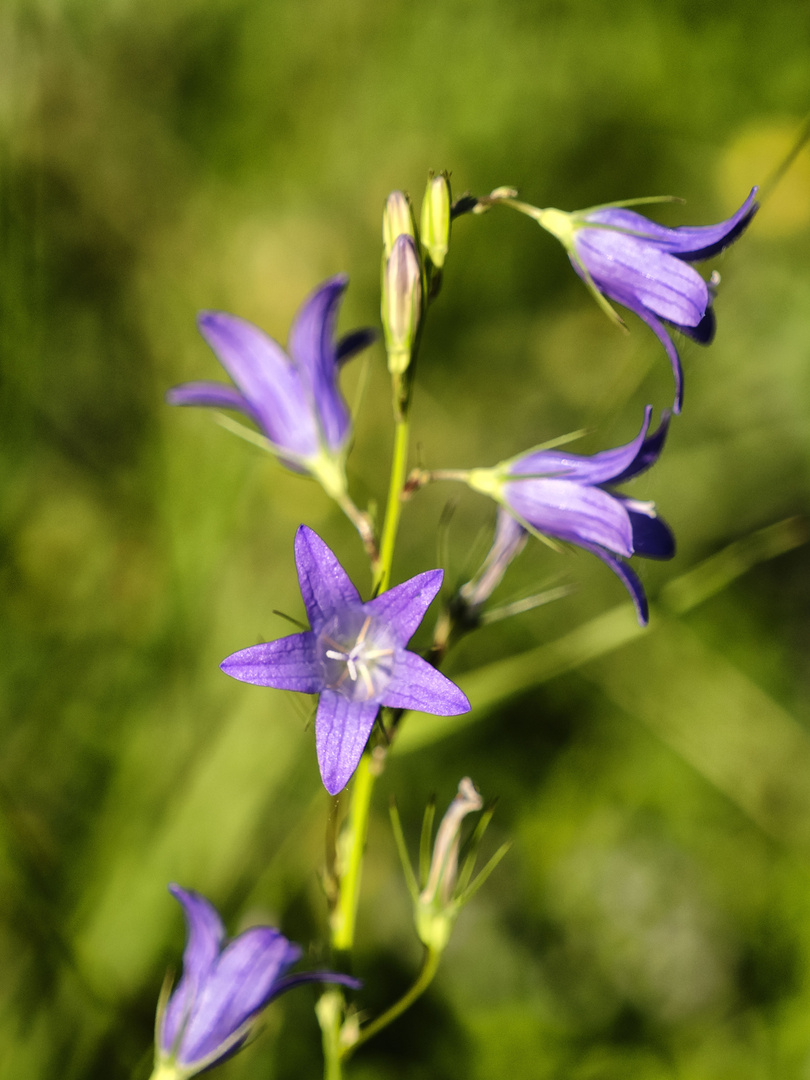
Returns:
point(398, 220)
point(435, 225)
point(401, 307)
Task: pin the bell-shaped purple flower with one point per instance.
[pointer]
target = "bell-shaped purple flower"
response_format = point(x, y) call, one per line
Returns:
point(569, 497)
point(223, 988)
point(633, 261)
point(291, 395)
point(354, 656)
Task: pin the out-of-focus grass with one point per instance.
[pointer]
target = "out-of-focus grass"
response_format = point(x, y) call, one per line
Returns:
point(651, 919)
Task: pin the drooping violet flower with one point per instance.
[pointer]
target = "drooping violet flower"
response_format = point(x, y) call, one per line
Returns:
point(569, 497)
point(623, 256)
point(354, 656)
point(223, 988)
point(292, 396)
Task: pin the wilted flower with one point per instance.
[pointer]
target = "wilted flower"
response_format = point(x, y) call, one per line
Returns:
point(224, 986)
point(292, 396)
point(508, 542)
point(633, 261)
point(569, 497)
point(445, 886)
point(354, 656)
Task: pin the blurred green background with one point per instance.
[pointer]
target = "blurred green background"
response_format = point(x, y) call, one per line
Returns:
point(653, 917)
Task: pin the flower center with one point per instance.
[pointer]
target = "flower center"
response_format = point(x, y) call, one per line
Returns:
point(357, 654)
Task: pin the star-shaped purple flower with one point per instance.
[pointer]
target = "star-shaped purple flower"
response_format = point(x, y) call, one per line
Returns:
point(292, 396)
point(570, 497)
point(646, 267)
point(223, 988)
point(354, 656)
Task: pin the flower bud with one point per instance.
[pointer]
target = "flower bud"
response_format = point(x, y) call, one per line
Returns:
point(398, 221)
point(401, 307)
point(435, 225)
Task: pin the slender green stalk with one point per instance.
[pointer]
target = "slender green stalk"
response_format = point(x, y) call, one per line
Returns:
point(344, 916)
point(393, 509)
point(362, 523)
point(429, 969)
point(165, 1071)
point(329, 1011)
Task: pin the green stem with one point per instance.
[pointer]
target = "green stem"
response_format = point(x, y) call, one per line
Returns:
point(164, 1071)
point(344, 916)
point(393, 508)
point(361, 522)
point(429, 969)
point(329, 1011)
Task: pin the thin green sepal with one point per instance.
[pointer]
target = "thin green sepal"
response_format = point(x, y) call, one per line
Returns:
point(402, 849)
point(472, 845)
point(469, 893)
point(426, 842)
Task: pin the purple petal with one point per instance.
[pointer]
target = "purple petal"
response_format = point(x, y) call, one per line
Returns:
point(325, 585)
point(311, 344)
point(354, 342)
point(690, 243)
point(283, 985)
point(652, 537)
point(601, 468)
point(648, 452)
point(660, 332)
point(416, 684)
point(666, 285)
point(403, 607)
point(268, 380)
point(204, 936)
point(213, 394)
point(572, 511)
point(342, 728)
point(705, 330)
point(628, 578)
point(289, 663)
point(241, 983)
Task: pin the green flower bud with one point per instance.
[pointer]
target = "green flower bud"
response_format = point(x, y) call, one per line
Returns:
point(401, 307)
point(435, 228)
point(398, 220)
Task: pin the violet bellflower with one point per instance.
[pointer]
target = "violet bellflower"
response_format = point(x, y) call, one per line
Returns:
point(354, 656)
point(292, 396)
point(224, 986)
point(570, 497)
point(625, 257)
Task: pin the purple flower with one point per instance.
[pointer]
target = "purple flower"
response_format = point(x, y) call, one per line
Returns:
point(292, 396)
point(354, 657)
point(645, 266)
point(224, 986)
point(569, 497)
